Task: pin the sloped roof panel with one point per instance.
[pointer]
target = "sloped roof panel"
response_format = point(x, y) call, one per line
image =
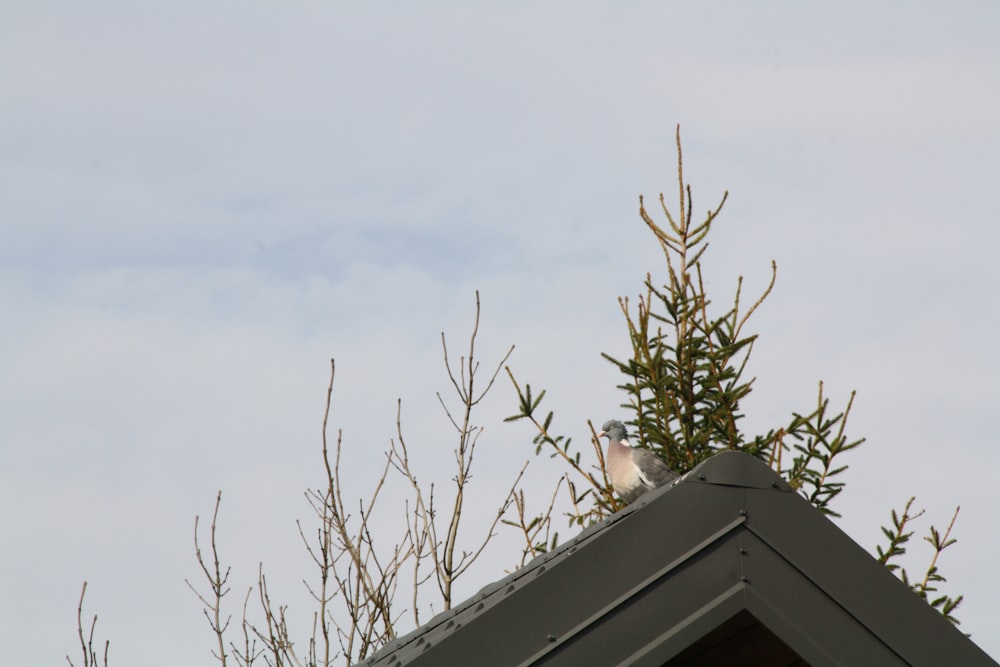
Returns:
point(728, 559)
point(856, 582)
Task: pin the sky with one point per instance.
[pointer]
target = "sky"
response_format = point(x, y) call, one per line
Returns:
point(201, 204)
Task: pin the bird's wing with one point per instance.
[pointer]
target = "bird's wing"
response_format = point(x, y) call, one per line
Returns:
point(652, 470)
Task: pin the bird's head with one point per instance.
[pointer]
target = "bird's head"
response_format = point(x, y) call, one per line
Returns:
point(614, 430)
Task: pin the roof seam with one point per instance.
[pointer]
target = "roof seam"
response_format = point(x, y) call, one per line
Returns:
point(638, 588)
point(695, 617)
point(824, 590)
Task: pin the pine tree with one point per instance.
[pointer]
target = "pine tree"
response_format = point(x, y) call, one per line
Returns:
point(684, 383)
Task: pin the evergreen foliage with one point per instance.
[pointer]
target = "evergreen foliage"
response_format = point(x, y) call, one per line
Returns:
point(685, 380)
point(898, 536)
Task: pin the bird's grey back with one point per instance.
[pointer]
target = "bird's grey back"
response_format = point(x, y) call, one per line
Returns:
point(653, 468)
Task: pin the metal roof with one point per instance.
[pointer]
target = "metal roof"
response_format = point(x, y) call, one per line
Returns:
point(726, 566)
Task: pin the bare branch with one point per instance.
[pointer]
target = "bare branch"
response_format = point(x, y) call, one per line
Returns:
point(87, 642)
point(217, 583)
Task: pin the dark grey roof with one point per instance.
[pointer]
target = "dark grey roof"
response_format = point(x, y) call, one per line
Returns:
point(726, 566)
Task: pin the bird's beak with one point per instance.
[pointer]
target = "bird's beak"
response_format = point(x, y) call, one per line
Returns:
point(601, 434)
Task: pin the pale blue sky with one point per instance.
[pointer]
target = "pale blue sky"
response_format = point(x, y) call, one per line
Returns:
point(201, 203)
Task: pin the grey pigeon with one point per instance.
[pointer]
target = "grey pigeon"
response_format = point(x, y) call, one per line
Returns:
point(633, 471)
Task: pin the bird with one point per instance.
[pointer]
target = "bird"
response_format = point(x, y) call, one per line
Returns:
point(633, 471)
